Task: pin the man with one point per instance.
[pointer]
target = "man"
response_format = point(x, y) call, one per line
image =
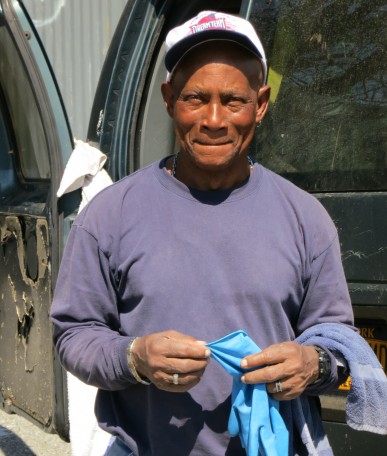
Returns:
point(193, 248)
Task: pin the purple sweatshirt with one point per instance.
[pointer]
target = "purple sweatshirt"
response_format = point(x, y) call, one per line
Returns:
point(149, 254)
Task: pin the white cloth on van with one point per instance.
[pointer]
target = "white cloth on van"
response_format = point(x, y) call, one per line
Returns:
point(84, 170)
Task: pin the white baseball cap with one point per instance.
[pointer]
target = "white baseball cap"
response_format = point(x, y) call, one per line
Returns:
point(209, 26)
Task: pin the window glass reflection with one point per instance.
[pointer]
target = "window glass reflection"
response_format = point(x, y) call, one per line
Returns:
point(7, 176)
point(327, 125)
point(31, 148)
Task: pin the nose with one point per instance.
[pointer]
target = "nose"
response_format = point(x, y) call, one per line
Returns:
point(213, 119)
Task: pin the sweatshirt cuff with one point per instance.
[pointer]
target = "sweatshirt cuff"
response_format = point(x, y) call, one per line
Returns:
point(123, 359)
point(128, 368)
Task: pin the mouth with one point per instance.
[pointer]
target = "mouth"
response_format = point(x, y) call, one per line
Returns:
point(212, 143)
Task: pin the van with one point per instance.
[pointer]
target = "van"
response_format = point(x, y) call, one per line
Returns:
point(326, 131)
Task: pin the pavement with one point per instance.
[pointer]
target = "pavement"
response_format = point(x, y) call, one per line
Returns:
point(19, 437)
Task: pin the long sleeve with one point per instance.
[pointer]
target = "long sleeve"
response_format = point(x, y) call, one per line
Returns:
point(326, 301)
point(85, 315)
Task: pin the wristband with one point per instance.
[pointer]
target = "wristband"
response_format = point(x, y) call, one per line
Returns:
point(324, 364)
point(132, 366)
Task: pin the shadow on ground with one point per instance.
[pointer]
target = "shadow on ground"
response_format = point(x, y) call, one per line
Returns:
point(12, 445)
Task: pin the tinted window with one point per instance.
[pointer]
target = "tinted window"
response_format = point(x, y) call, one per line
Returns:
point(31, 149)
point(7, 176)
point(327, 125)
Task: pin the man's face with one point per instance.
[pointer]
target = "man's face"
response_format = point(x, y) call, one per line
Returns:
point(215, 102)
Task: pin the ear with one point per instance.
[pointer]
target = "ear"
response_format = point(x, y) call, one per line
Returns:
point(168, 97)
point(262, 102)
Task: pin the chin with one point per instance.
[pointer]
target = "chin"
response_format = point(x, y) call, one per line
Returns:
point(215, 158)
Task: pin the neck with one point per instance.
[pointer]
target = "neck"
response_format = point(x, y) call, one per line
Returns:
point(207, 180)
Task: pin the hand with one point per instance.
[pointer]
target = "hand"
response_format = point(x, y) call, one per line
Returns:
point(294, 365)
point(160, 355)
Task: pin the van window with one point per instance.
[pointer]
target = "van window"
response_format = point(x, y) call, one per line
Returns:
point(7, 175)
point(26, 123)
point(326, 129)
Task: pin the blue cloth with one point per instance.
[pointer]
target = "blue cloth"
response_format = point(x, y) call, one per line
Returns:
point(366, 408)
point(254, 414)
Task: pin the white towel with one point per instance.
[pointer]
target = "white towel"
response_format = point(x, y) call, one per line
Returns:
point(366, 408)
point(84, 170)
point(86, 437)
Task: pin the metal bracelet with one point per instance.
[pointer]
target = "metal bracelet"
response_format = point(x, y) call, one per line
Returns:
point(132, 366)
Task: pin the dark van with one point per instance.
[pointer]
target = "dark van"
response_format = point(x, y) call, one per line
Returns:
point(326, 131)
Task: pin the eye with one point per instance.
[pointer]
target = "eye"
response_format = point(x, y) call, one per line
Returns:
point(191, 96)
point(234, 102)
point(193, 99)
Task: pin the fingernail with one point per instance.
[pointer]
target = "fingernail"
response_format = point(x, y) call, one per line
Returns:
point(243, 363)
point(207, 353)
point(243, 379)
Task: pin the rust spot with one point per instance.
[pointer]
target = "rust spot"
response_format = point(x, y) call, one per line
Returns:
point(28, 253)
point(25, 319)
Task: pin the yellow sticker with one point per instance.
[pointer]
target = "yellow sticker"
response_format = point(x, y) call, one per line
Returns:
point(346, 386)
point(380, 349)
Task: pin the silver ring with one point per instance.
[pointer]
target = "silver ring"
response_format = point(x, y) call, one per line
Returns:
point(175, 379)
point(278, 387)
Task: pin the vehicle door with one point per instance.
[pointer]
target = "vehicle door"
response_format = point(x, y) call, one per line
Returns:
point(326, 131)
point(35, 142)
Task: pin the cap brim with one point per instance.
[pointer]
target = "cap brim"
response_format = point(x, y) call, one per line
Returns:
point(177, 52)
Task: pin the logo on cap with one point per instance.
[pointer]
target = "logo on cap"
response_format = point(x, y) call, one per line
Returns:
point(210, 22)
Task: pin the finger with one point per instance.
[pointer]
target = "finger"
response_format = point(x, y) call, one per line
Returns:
point(278, 390)
point(178, 382)
point(283, 389)
point(184, 379)
point(169, 351)
point(268, 374)
point(176, 345)
point(277, 387)
point(183, 349)
point(183, 366)
point(273, 354)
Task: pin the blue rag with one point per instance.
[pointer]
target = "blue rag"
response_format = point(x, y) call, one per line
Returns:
point(254, 414)
point(366, 408)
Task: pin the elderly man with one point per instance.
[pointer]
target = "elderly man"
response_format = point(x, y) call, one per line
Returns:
point(195, 247)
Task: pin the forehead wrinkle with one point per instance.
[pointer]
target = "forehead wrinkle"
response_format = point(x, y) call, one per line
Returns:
point(207, 80)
